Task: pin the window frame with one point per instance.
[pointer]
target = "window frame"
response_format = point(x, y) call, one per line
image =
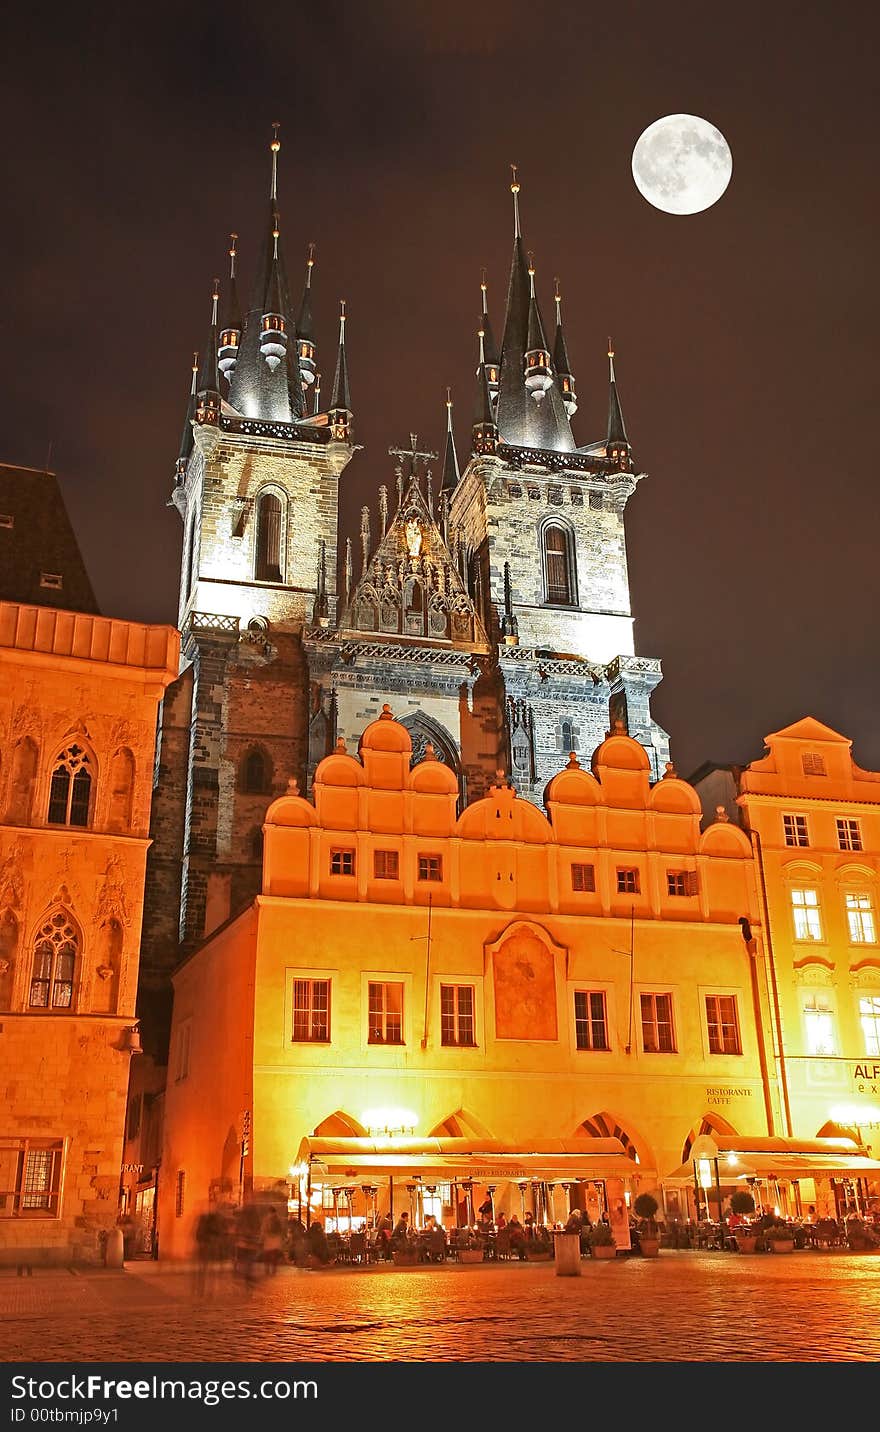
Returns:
point(300, 978)
point(656, 1023)
point(385, 982)
point(849, 832)
point(623, 872)
point(340, 854)
point(870, 1035)
point(456, 1016)
point(75, 759)
point(391, 857)
point(431, 874)
point(689, 881)
point(19, 1151)
point(805, 907)
point(263, 570)
point(795, 825)
point(860, 917)
point(588, 1021)
point(812, 1015)
point(716, 1024)
point(58, 940)
point(588, 877)
point(559, 523)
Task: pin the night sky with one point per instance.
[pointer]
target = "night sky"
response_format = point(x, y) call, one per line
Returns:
point(135, 138)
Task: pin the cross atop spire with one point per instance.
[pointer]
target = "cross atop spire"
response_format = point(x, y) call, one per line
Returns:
point(610, 361)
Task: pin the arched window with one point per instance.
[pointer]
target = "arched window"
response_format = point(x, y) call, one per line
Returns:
point(567, 736)
point(256, 774)
point(70, 793)
point(558, 566)
point(268, 556)
point(55, 951)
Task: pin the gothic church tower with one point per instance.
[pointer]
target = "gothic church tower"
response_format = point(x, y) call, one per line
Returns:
point(257, 488)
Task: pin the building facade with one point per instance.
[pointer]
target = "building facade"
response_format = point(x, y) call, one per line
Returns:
point(518, 979)
point(79, 695)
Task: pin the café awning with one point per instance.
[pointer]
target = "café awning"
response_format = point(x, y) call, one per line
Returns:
point(359, 1159)
point(741, 1158)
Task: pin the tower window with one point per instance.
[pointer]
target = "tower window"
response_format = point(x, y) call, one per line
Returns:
point(71, 788)
point(567, 736)
point(268, 563)
point(256, 776)
point(54, 964)
point(558, 566)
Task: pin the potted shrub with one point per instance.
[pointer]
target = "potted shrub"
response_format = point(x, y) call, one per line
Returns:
point(779, 1237)
point(602, 1244)
point(743, 1204)
point(645, 1207)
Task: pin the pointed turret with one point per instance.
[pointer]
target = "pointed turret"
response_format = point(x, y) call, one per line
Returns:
point(564, 375)
point(521, 421)
point(339, 412)
point(536, 361)
point(230, 320)
point(490, 347)
point(617, 448)
point(485, 429)
point(207, 412)
point(305, 336)
point(186, 437)
point(266, 382)
point(451, 473)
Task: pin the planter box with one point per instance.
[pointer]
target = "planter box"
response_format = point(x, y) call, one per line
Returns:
point(603, 1250)
point(781, 1245)
point(470, 1255)
point(746, 1242)
point(405, 1260)
point(650, 1246)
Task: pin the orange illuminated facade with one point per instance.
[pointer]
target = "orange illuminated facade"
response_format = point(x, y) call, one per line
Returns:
point(79, 695)
point(503, 978)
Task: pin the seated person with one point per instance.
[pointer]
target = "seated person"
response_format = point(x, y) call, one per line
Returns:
point(401, 1232)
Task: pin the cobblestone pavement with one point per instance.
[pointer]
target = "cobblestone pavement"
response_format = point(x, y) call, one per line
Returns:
point(680, 1307)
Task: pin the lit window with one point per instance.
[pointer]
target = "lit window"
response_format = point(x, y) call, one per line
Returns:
point(267, 567)
point(805, 908)
point(658, 1035)
point(311, 1011)
point(819, 1024)
point(860, 918)
point(583, 877)
point(385, 1013)
point(590, 1020)
point(430, 867)
point(795, 830)
point(54, 965)
point(457, 1015)
point(71, 789)
point(342, 862)
point(681, 882)
point(723, 1025)
point(627, 881)
point(386, 864)
point(849, 835)
point(813, 764)
point(30, 1177)
point(558, 566)
point(869, 1018)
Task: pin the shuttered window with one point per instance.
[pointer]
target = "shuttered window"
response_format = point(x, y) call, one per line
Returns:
point(268, 566)
point(558, 566)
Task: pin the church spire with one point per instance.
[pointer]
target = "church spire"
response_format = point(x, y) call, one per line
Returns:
point(451, 474)
point(617, 447)
point(489, 344)
point(340, 402)
point(207, 413)
point(304, 325)
point(186, 437)
point(485, 430)
point(266, 382)
point(230, 319)
point(561, 363)
point(536, 360)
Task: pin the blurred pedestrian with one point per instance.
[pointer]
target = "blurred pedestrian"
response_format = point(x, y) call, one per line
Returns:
point(273, 1240)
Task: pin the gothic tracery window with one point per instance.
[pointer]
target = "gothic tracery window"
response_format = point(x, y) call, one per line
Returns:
point(71, 790)
point(55, 951)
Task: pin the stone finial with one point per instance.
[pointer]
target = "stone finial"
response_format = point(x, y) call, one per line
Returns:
point(293, 786)
point(386, 714)
point(618, 728)
point(721, 814)
point(670, 772)
point(573, 762)
point(340, 746)
point(430, 754)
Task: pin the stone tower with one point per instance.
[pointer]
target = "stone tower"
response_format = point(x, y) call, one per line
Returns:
point(540, 522)
point(257, 488)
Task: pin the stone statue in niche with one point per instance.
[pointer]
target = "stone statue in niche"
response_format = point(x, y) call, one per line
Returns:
point(112, 903)
point(413, 533)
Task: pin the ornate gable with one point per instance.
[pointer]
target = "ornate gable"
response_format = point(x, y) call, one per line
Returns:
point(410, 586)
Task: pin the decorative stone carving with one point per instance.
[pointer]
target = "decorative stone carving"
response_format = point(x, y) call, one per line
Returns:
point(12, 878)
point(112, 903)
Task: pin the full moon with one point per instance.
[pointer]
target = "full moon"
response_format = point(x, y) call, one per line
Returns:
point(682, 164)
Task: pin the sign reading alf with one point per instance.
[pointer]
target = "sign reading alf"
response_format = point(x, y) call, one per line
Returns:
point(866, 1078)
